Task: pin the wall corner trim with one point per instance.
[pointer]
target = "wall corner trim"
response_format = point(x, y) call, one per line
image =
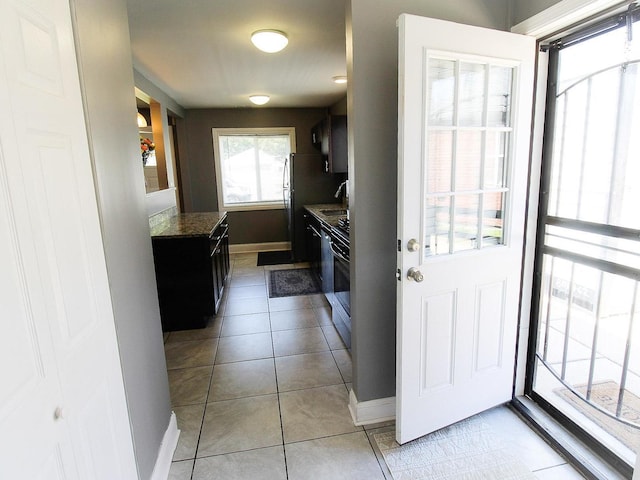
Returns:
point(371, 411)
point(167, 447)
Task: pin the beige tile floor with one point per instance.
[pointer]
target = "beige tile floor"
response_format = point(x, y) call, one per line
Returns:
point(262, 393)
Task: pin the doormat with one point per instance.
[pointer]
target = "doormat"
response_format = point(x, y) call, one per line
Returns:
point(467, 450)
point(287, 283)
point(605, 395)
point(274, 258)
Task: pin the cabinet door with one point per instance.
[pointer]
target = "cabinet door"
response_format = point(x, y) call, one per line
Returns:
point(317, 134)
point(338, 154)
point(314, 246)
point(219, 262)
point(215, 277)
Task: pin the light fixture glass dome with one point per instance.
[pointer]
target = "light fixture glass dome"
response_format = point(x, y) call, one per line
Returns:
point(142, 122)
point(270, 41)
point(259, 99)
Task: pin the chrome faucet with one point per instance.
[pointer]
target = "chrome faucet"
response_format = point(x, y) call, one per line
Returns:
point(344, 185)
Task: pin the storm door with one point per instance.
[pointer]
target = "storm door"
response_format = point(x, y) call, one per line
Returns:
point(584, 360)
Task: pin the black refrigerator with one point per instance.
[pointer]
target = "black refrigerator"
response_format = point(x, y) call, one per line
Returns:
point(305, 183)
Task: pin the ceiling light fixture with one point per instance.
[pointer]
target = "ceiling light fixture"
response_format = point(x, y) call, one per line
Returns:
point(340, 79)
point(142, 122)
point(270, 41)
point(259, 99)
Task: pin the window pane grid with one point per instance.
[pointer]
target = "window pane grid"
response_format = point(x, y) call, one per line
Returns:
point(250, 166)
point(468, 134)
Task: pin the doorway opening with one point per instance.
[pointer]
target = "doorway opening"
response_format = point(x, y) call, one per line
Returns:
point(584, 355)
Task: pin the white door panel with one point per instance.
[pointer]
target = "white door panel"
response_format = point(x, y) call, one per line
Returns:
point(464, 113)
point(62, 406)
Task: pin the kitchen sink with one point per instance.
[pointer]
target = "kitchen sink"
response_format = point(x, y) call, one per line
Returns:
point(337, 211)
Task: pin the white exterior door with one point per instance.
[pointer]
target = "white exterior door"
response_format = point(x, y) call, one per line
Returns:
point(464, 115)
point(63, 412)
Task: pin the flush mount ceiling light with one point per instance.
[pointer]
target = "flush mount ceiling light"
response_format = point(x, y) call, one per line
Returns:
point(340, 79)
point(270, 41)
point(259, 99)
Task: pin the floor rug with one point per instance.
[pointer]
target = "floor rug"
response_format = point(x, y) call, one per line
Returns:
point(287, 283)
point(274, 258)
point(605, 395)
point(467, 450)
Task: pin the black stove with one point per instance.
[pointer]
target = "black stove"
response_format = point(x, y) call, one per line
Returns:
point(342, 229)
point(340, 298)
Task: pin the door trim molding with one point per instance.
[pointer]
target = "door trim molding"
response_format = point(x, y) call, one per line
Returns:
point(167, 448)
point(561, 15)
point(371, 411)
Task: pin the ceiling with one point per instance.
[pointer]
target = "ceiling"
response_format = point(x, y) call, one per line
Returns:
point(199, 52)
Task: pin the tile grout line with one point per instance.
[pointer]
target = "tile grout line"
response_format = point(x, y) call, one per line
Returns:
point(275, 372)
point(379, 458)
point(204, 412)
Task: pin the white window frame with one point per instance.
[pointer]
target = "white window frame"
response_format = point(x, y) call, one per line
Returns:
point(216, 133)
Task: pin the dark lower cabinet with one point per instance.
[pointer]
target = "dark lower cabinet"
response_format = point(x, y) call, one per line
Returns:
point(219, 254)
point(314, 245)
point(191, 272)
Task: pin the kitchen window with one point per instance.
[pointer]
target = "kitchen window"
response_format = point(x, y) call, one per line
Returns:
point(249, 166)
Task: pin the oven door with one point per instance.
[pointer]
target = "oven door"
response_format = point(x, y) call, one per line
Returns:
point(341, 311)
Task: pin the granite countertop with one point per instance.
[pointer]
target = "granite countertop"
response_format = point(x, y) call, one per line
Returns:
point(197, 224)
point(331, 219)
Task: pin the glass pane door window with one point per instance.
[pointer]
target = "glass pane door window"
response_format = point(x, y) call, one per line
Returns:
point(586, 362)
point(469, 129)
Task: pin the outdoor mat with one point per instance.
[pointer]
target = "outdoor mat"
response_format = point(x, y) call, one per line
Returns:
point(274, 258)
point(467, 450)
point(287, 283)
point(605, 395)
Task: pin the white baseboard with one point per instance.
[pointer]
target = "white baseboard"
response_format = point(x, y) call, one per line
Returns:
point(259, 247)
point(167, 447)
point(372, 411)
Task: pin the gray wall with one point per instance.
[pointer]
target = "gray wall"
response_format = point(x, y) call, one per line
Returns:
point(523, 9)
point(198, 167)
point(104, 55)
point(372, 59)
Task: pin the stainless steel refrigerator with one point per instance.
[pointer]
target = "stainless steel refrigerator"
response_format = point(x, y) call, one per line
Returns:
point(305, 183)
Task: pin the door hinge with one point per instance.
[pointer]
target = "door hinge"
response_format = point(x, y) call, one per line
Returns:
point(398, 275)
point(399, 245)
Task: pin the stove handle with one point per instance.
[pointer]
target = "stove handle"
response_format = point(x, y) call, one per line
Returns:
point(338, 254)
point(315, 232)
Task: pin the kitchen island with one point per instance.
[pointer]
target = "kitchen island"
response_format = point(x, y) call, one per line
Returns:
point(191, 259)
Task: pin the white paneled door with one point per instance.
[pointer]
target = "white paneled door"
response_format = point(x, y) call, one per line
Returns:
point(63, 412)
point(465, 99)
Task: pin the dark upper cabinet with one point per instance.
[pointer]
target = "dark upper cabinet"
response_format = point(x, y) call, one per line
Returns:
point(330, 137)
